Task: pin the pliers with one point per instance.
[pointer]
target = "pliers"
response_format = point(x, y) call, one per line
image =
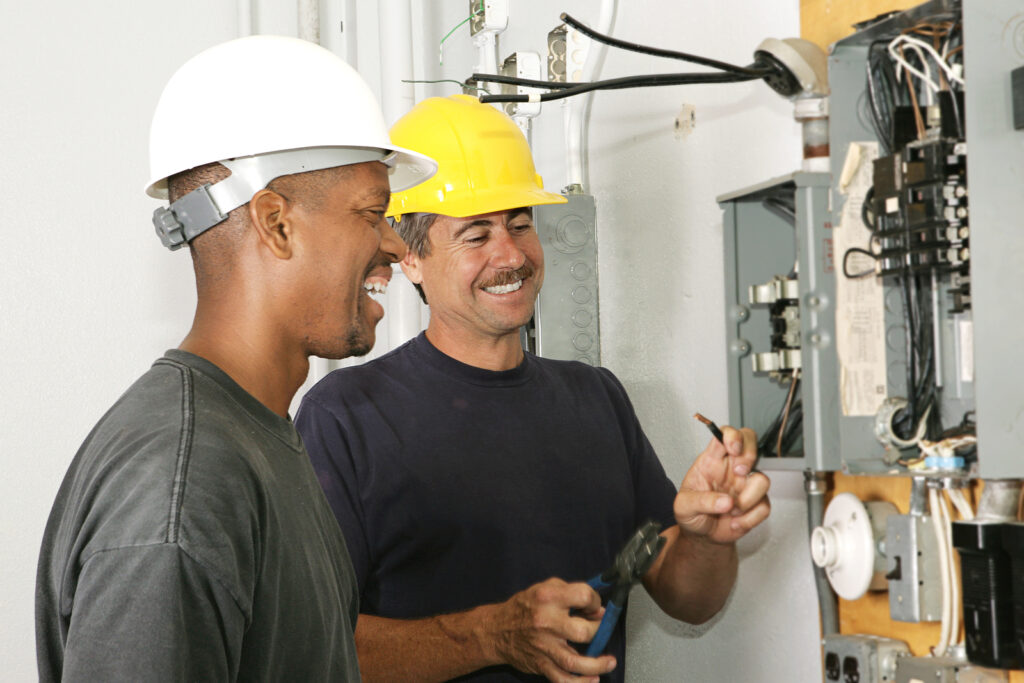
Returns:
point(629, 566)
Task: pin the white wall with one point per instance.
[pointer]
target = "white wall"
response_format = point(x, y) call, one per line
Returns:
point(89, 298)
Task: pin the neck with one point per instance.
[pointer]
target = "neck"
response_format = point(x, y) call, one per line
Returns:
point(248, 350)
point(497, 352)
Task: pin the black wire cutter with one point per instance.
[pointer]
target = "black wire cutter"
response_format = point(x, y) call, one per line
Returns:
point(629, 566)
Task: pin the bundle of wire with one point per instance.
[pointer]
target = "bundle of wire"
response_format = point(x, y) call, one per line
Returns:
point(900, 74)
point(782, 434)
point(725, 73)
point(907, 72)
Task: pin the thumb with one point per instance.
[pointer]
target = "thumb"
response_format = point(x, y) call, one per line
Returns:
point(691, 504)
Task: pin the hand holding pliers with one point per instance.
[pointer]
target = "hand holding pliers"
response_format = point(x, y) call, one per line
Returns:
point(629, 566)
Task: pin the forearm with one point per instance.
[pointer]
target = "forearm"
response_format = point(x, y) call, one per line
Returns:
point(693, 576)
point(432, 649)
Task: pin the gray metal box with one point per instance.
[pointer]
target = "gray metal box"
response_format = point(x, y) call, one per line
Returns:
point(995, 166)
point(915, 591)
point(929, 669)
point(862, 658)
point(848, 122)
point(760, 245)
point(566, 322)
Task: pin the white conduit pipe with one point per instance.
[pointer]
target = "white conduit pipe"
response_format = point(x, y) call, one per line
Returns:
point(940, 538)
point(954, 583)
point(402, 302)
point(309, 20)
point(245, 26)
point(487, 52)
point(576, 111)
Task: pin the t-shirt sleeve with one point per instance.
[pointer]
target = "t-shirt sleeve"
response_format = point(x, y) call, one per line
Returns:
point(327, 443)
point(654, 492)
point(151, 613)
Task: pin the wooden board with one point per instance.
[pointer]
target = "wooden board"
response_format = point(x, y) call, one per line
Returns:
point(826, 21)
point(870, 614)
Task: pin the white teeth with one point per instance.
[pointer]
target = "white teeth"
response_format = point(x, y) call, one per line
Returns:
point(504, 289)
point(375, 287)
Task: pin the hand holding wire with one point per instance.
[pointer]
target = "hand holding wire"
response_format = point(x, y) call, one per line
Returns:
point(722, 497)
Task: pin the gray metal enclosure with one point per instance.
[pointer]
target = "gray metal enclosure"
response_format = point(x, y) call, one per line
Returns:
point(975, 349)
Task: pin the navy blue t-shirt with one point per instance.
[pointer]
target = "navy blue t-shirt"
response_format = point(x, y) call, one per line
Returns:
point(457, 486)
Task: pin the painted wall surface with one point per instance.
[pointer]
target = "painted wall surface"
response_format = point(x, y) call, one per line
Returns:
point(89, 298)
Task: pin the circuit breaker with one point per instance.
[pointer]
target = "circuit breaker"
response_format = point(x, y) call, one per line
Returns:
point(566, 322)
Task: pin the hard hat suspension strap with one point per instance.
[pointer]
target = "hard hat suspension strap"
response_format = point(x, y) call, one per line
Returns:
point(208, 205)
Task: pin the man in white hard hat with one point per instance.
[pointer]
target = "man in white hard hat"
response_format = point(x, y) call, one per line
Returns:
point(467, 473)
point(189, 539)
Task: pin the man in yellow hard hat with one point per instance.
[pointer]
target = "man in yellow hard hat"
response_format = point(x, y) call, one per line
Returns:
point(466, 474)
point(190, 540)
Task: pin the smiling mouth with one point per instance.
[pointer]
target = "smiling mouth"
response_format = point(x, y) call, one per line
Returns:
point(504, 289)
point(508, 281)
point(376, 285)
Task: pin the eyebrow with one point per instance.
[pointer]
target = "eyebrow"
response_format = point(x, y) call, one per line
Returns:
point(381, 194)
point(488, 222)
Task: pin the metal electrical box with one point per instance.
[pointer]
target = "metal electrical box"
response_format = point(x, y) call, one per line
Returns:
point(862, 659)
point(784, 274)
point(566, 322)
point(778, 274)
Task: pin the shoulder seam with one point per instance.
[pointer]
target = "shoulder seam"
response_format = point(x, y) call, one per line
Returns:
point(184, 453)
point(192, 558)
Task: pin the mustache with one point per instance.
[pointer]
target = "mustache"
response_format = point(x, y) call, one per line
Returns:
point(505, 277)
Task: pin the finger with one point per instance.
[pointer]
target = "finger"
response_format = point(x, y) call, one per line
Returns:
point(569, 659)
point(752, 518)
point(691, 504)
point(580, 596)
point(578, 629)
point(733, 439)
point(554, 673)
point(755, 490)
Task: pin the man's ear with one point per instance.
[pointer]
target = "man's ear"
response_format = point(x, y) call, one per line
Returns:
point(269, 215)
point(412, 267)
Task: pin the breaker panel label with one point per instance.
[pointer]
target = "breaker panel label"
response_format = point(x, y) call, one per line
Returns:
point(860, 303)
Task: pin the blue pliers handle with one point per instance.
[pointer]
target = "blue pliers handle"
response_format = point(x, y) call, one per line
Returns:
point(632, 562)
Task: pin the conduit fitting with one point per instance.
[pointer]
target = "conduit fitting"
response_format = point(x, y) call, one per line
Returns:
point(812, 115)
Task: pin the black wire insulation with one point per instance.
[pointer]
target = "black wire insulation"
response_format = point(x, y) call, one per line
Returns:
point(620, 84)
point(659, 52)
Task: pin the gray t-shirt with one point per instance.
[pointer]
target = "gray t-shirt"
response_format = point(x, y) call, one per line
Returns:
point(190, 541)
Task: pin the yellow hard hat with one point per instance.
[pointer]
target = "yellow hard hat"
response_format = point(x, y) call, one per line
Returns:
point(484, 160)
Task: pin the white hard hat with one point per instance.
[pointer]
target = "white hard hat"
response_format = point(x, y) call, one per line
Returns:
point(264, 106)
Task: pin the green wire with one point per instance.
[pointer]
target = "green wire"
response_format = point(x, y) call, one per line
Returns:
point(440, 49)
point(451, 80)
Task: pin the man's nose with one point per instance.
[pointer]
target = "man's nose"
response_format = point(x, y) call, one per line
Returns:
point(507, 252)
point(390, 243)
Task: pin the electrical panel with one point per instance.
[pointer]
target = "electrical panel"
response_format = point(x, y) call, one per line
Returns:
point(779, 294)
point(874, 292)
point(566, 322)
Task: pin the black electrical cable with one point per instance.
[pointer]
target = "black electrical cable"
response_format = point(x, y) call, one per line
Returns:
point(863, 273)
point(867, 211)
point(619, 84)
point(525, 82)
point(659, 52)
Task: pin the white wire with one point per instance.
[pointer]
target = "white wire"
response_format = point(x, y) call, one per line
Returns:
point(926, 77)
point(954, 579)
point(943, 644)
point(940, 60)
point(920, 47)
point(961, 503)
